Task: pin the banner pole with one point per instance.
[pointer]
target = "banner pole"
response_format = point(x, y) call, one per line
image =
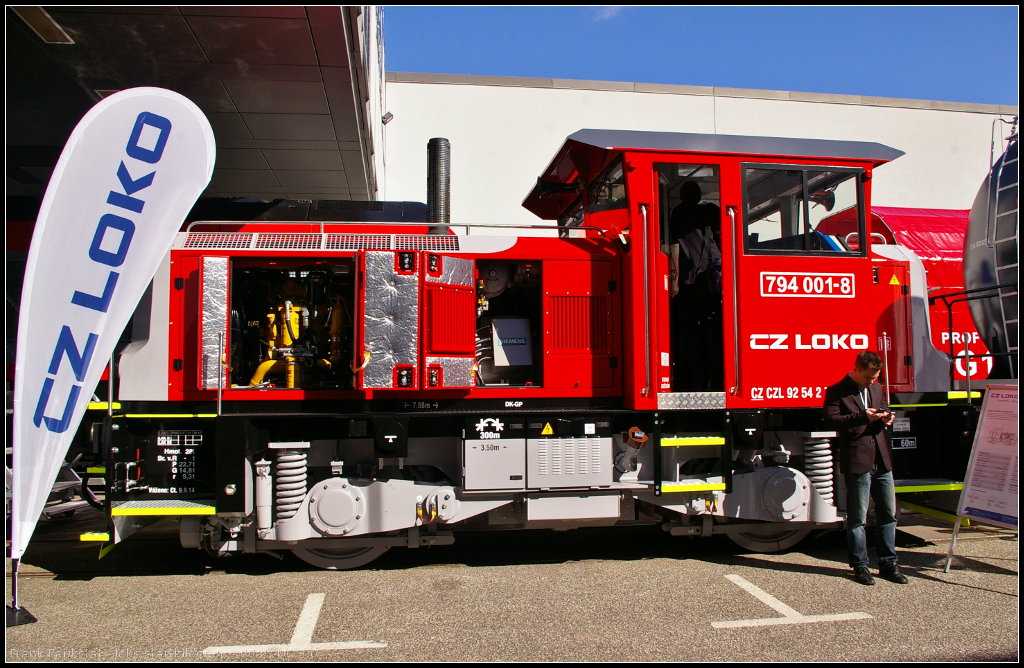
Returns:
point(952, 544)
point(110, 386)
point(14, 583)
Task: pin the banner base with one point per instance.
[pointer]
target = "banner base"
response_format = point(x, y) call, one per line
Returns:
point(19, 617)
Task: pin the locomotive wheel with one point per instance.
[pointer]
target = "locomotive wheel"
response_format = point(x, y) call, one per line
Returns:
point(769, 540)
point(339, 558)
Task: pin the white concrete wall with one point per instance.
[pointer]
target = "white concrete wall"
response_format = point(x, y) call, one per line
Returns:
point(502, 136)
point(371, 51)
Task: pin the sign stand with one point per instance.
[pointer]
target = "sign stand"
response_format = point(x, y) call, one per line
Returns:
point(16, 616)
point(990, 488)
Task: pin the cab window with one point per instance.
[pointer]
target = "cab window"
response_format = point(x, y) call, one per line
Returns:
point(608, 191)
point(785, 205)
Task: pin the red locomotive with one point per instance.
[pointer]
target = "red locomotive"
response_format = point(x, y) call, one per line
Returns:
point(326, 381)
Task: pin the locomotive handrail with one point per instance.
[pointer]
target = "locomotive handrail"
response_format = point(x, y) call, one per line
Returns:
point(220, 371)
point(647, 309)
point(321, 223)
point(932, 298)
point(885, 365)
point(735, 305)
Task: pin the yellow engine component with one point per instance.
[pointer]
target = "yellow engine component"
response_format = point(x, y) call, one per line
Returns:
point(285, 324)
point(284, 327)
point(265, 368)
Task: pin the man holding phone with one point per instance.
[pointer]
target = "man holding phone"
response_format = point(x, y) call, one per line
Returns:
point(857, 409)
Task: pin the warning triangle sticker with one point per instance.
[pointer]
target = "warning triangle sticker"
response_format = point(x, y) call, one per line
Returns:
point(894, 280)
point(547, 430)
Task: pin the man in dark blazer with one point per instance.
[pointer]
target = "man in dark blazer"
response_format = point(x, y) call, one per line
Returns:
point(857, 409)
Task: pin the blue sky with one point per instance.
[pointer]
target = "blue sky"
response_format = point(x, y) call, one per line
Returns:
point(959, 54)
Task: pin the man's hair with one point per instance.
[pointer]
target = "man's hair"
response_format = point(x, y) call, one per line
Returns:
point(690, 191)
point(869, 360)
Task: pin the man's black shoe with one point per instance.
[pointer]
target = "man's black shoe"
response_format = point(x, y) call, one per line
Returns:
point(863, 575)
point(892, 574)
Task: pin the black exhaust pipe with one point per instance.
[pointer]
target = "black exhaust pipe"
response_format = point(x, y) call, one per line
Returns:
point(439, 168)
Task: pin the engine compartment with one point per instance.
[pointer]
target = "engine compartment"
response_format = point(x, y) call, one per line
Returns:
point(291, 323)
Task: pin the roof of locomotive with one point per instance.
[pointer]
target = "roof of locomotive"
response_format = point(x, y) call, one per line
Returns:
point(735, 144)
point(586, 152)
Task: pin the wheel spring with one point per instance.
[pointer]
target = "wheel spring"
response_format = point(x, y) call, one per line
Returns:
point(289, 482)
point(818, 466)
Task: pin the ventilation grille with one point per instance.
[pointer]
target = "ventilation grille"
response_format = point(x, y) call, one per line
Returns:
point(357, 241)
point(347, 205)
point(579, 323)
point(452, 322)
point(569, 456)
point(315, 241)
point(434, 242)
point(289, 241)
point(218, 240)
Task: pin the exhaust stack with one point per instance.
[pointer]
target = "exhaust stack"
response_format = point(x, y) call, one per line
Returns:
point(439, 184)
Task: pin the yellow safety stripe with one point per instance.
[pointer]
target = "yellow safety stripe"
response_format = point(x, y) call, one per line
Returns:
point(170, 415)
point(693, 440)
point(169, 512)
point(93, 535)
point(954, 487)
point(962, 395)
point(102, 406)
point(95, 469)
point(714, 486)
point(105, 549)
point(937, 514)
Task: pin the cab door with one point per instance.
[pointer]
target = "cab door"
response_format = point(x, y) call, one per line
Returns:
point(689, 222)
point(799, 302)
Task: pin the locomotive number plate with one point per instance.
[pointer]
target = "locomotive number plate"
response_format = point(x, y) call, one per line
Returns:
point(806, 284)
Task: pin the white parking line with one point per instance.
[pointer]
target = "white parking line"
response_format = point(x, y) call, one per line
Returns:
point(791, 615)
point(301, 638)
point(307, 620)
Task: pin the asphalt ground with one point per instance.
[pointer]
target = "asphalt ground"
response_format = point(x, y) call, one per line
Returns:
point(614, 594)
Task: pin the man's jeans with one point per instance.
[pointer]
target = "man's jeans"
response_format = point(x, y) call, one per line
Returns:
point(880, 487)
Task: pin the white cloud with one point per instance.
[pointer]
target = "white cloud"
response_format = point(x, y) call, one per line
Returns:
point(605, 13)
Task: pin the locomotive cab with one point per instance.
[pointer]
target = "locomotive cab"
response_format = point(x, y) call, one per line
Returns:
point(731, 275)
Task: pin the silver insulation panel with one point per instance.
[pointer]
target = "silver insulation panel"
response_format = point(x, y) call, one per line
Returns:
point(455, 371)
point(390, 319)
point(215, 319)
point(454, 271)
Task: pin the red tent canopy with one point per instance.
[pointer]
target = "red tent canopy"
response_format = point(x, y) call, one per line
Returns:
point(936, 235)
